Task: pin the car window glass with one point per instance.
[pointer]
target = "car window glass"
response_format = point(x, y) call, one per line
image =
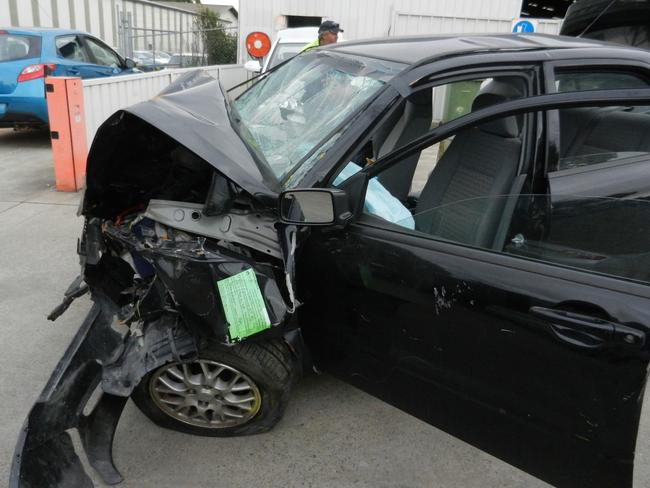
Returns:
point(287, 115)
point(606, 235)
point(432, 107)
point(467, 190)
point(599, 135)
point(582, 80)
point(444, 191)
point(68, 47)
point(595, 135)
point(15, 47)
point(102, 54)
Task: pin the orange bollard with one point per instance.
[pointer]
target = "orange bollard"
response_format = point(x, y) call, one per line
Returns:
point(65, 108)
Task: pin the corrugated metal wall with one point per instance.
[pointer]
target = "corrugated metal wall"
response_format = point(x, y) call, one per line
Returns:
point(368, 18)
point(99, 17)
point(105, 96)
point(412, 24)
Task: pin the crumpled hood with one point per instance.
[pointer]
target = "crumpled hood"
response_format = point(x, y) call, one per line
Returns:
point(194, 112)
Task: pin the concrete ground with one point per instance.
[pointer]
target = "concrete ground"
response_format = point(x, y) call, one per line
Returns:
point(331, 436)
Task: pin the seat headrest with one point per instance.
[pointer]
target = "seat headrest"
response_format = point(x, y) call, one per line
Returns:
point(505, 126)
point(17, 51)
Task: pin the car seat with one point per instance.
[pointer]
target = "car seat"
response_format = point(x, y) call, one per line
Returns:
point(461, 198)
point(17, 51)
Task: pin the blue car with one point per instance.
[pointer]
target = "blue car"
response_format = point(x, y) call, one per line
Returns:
point(28, 55)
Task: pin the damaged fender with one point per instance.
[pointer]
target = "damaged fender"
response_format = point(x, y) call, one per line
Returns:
point(156, 304)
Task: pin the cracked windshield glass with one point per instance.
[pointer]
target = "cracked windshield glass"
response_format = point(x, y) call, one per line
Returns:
point(289, 115)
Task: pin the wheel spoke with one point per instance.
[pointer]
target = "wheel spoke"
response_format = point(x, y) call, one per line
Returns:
point(237, 400)
point(172, 385)
point(233, 414)
point(220, 384)
point(174, 371)
point(234, 381)
point(173, 400)
point(187, 376)
point(207, 374)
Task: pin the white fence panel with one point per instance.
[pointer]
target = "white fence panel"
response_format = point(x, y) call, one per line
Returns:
point(549, 26)
point(105, 96)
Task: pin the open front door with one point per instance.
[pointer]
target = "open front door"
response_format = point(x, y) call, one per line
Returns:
point(499, 302)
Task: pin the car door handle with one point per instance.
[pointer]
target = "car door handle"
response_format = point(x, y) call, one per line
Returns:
point(73, 71)
point(587, 331)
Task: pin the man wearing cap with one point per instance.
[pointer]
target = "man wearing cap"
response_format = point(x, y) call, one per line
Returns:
point(328, 33)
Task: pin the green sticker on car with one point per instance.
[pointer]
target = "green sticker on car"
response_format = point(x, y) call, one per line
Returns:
point(243, 305)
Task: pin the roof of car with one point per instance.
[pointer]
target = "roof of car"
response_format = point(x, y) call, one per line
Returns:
point(50, 31)
point(412, 49)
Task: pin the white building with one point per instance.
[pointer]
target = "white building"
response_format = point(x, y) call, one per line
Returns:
point(227, 13)
point(379, 18)
point(103, 18)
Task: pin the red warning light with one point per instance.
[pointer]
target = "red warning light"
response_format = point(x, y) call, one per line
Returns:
point(258, 44)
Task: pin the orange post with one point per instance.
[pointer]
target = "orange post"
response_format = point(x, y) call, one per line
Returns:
point(65, 108)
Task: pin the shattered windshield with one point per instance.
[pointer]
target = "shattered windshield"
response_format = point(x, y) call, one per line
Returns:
point(296, 109)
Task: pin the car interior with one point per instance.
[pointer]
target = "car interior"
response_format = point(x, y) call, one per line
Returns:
point(71, 50)
point(472, 194)
point(605, 131)
point(17, 50)
point(479, 163)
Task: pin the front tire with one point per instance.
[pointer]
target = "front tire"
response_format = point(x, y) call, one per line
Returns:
point(225, 392)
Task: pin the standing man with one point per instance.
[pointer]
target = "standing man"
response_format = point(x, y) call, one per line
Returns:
point(328, 33)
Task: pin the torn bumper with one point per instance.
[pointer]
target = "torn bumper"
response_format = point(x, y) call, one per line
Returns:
point(156, 299)
point(45, 455)
point(100, 355)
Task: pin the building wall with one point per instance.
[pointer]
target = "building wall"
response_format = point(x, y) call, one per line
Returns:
point(100, 18)
point(227, 16)
point(379, 18)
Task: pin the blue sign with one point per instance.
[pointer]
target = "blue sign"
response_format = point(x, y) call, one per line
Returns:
point(523, 26)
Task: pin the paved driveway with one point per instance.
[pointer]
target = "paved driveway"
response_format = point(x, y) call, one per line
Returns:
point(332, 435)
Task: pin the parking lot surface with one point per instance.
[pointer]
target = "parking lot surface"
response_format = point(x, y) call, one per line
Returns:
point(331, 436)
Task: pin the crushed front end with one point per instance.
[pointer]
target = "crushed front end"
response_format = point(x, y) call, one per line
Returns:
point(180, 251)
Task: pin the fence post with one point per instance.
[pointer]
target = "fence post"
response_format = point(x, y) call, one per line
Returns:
point(129, 35)
point(182, 50)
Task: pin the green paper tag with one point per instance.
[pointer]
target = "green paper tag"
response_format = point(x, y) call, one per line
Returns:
point(243, 304)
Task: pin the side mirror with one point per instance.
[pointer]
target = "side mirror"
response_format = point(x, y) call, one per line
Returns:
point(315, 206)
point(129, 63)
point(253, 65)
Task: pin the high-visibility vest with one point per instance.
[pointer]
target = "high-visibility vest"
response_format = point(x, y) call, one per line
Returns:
point(311, 45)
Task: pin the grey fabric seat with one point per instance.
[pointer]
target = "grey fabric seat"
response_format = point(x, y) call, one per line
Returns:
point(460, 200)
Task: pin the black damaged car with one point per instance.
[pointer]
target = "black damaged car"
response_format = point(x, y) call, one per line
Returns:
point(459, 226)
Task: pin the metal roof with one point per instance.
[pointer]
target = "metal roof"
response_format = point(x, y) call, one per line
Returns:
point(41, 30)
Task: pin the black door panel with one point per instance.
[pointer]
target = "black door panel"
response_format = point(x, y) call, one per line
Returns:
point(462, 343)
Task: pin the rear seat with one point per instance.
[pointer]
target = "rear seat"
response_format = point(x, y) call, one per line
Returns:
point(602, 130)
